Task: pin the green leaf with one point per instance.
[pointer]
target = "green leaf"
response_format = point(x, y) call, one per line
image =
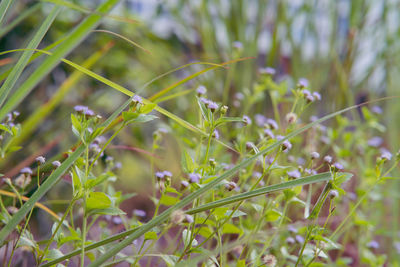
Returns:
point(76, 126)
point(107, 211)
point(147, 108)
point(53, 254)
point(188, 164)
point(170, 260)
point(5, 128)
point(272, 215)
point(97, 200)
point(168, 200)
point(229, 228)
point(150, 236)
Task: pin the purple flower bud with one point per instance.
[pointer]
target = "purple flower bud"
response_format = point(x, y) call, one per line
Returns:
point(299, 239)
point(328, 159)
point(314, 155)
point(239, 96)
point(294, 174)
point(269, 134)
point(215, 134)
point(137, 100)
point(267, 71)
point(80, 108)
point(56, 163)
point(246, 120)
point(201, 90)
point(272, 124)
point(212, 106)
point(167, 174)
point(375, 141)
point(15, 114)
point(286, 146)
point(337, 166)
point(377, 110)
point(260, 120)
point(310, 99)
point(237, 45)
point(205, 101)
point(40, 160)
point(317, 96)
point(139, 213)
point(117, 220)
point(290, 240)
point(160, 175)
point(373, 244)
point(188, 218)
point(292, 229)
point(26, 170)
point(302, 83)
point(88, 113)
point(386, 155)
point(194, 177)
point(184, 184)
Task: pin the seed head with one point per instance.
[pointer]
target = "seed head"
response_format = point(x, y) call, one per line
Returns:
point(177, 216)
point(40, 160)
point(56, 163)
point(230, 186)
point(291, 117)
point(269, 260)
point(328, 159)
point(314, 155)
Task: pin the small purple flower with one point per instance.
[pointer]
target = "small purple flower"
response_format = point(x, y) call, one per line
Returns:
point(167, 174)
point(215, 134)
point(337, 166)
point(56, 163)
point(302, 83)
point(188, 218)
point(310, 99)
point(137, 100)
point(246, 120)
point(160, 175)
point(139, 213)
point(373, 244)
point(386, 155)
point(268, 133)
point(40, 160)
point(239, 96)
point(80, 108)
point(294, 174)
point(237, 45)
point(290, 240)
point(269, 160)
point(88, 113)
point(15, 114)
point(292, 229)
point(117, 220)
point(317, 96)
point(194, 177)
point(286, 146)
point(184, 184)
point(212, 106)
point(299, 239)
point(201, 90)
point(377, 110)
point(205, 101)
point(260, 120)
point(272, 124)
point(375, 141)
point(267, 71)
point(26, 170)
point(314, 155)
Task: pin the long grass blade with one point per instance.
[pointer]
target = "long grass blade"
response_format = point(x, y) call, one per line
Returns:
point(4, 5)
point(23, 61)
point(125, 39)
point(26, 13)
point(74, 39)
point(262, 191)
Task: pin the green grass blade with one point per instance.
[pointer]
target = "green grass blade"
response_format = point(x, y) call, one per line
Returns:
point(74, 39)
point(125, 39)
point(262, 191)
point(23, 61)
point(26, 13)
point(3, 9)
point(190, 77)
point(188, 199)
point(42, 112)
point(46, 186)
